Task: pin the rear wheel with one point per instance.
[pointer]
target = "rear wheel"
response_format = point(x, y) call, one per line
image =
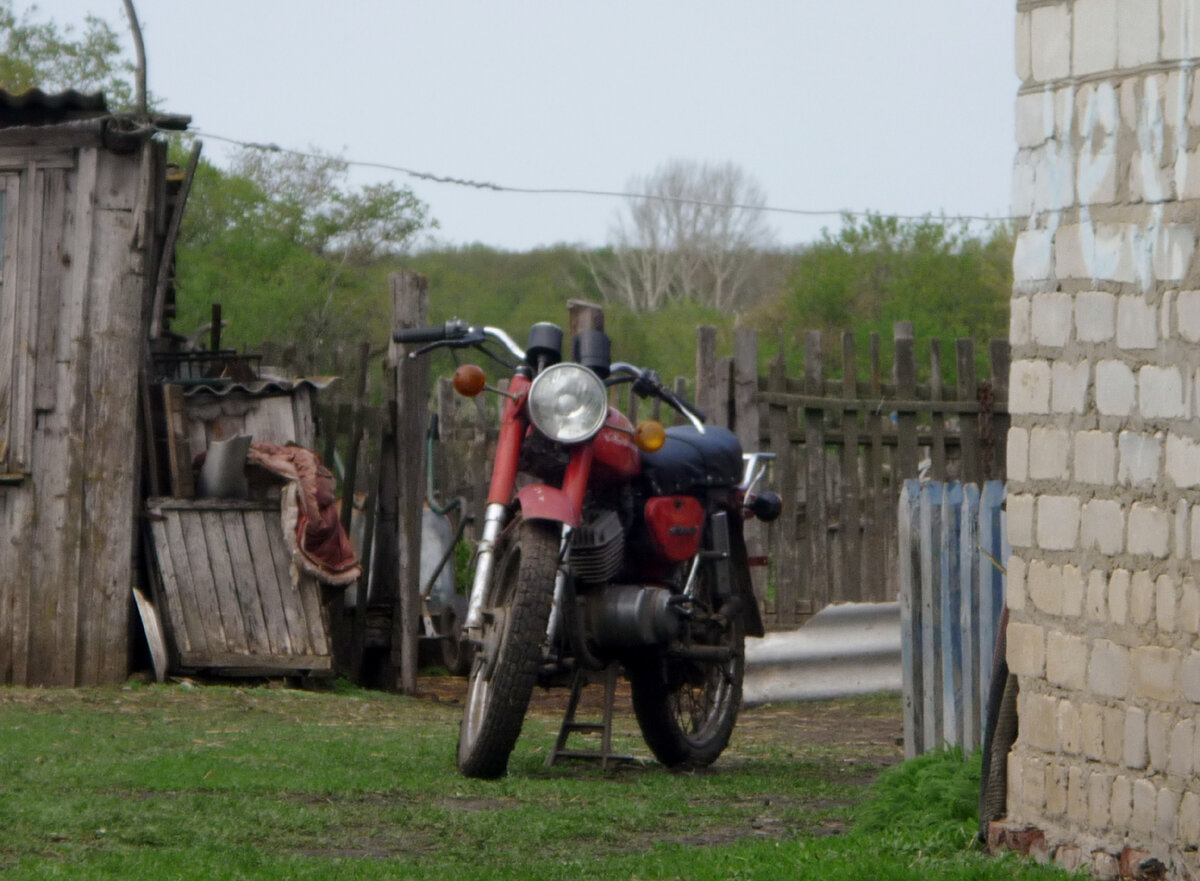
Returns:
point(505, 668)
point(687, 707)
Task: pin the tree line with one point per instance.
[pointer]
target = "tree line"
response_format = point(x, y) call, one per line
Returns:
point(294, 251)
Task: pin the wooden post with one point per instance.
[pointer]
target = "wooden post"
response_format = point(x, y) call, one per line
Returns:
point(746, 425)
point(937, 420)
point(968, 422)
point(582, 316)
point(706, 372)
point(931, 614)
point(816, 508)
point(787, 575)
point(970, 621)
point(851, 583)
point(911, 649)
point(881, 509)
point(951, 612)
point(997, 467)
point(410, 305)
point(905, 371)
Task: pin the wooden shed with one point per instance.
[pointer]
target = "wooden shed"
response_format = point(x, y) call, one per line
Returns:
point(84, 219)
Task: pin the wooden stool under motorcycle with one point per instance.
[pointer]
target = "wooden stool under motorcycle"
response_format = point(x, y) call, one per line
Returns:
point(604, 544)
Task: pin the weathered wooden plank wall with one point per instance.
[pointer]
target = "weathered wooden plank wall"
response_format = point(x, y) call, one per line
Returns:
point(951, 594)
point(75, 285)
point(844, 446)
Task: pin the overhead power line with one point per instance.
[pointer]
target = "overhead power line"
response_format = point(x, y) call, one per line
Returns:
point(576, 191)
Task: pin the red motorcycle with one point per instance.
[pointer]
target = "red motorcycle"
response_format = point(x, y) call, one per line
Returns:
point(604, 543)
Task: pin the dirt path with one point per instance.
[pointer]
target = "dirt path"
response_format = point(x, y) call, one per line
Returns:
point(868, 731)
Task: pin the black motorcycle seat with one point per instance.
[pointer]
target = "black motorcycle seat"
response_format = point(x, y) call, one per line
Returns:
point(691, 460)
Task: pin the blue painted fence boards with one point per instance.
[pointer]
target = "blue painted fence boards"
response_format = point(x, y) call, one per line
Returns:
point(952, 542)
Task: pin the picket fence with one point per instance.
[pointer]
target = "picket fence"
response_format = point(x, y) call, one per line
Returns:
point(953, 544)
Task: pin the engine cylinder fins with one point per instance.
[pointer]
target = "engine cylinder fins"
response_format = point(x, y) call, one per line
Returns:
point(597, 548)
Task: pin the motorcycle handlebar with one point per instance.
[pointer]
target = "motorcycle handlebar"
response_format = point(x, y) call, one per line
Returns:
point(646, 383)
point(451, 330)
point(419, 334)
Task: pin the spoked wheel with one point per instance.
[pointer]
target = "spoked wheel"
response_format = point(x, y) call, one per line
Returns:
point(505, 668)
point(686, 707)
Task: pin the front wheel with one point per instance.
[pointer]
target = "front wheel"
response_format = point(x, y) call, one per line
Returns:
point(687, 707)
point(505, 668)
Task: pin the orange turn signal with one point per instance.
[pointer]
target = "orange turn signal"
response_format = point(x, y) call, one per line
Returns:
point(649, 436)
point(469, 380)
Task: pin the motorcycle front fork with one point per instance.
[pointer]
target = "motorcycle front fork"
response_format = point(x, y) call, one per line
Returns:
point(485, 560)
point(494, 519)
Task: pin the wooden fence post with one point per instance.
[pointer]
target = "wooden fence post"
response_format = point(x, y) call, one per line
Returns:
point(995, 461)
point(706, 373)
point(951, 613)
point(905, 370)
point(968, 422)
point(787, 575)
point(930, 525)
point(851, 582)
point(410, 305)
point(937, 419)
point(970, 621)
point(582, 316)
point(816, 513)
point(912, 654)
point(747, 426)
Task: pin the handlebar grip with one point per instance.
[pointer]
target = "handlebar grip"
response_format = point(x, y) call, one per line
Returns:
point(419, 334)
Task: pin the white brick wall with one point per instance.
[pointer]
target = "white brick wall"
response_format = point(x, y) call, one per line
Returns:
point(1139, 458)
point(1051, 319)
point(1137, 323)
point(1096, 313)
point(1160, 392)
point(1116, 389)
point(1049, 449)
point(1095, 457)
point(1137, 32)
point(1057, 522)
point(1104, 454)
point(1094, 47)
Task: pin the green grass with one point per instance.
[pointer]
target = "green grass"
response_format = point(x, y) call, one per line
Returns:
point(212, 783)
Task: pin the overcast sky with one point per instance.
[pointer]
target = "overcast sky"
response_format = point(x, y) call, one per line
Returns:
point(893, 106)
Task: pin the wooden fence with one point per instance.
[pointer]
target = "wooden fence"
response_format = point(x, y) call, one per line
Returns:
point(844, 446)
point(952, 539)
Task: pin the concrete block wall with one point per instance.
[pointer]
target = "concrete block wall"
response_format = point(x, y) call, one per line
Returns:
point(1104, 453)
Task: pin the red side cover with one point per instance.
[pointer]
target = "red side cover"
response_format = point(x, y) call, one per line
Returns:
point(675, 524)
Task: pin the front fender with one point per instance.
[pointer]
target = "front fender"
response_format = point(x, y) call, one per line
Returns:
point(541, 502)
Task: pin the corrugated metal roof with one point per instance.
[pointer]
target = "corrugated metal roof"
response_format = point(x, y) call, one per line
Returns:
point(266, 386)
point(35, 107)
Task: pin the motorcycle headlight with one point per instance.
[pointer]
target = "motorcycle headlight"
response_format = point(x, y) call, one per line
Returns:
point(567, 403)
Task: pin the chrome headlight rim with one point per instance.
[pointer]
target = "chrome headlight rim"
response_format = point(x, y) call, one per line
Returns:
point(544, 396)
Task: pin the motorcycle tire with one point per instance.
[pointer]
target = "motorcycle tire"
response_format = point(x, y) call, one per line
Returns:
point(686, 708)
point(505, 667)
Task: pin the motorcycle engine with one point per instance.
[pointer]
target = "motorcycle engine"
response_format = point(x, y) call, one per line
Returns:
point(598, 548)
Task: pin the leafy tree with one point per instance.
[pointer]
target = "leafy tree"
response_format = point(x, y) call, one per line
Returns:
point(880, 270)
point(286, 243)
point(697, 234)
point(41, 54)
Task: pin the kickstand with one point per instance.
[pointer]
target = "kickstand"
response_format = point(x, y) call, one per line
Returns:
point(604, 754)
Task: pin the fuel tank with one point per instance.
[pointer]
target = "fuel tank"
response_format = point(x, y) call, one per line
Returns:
point(616, 456)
